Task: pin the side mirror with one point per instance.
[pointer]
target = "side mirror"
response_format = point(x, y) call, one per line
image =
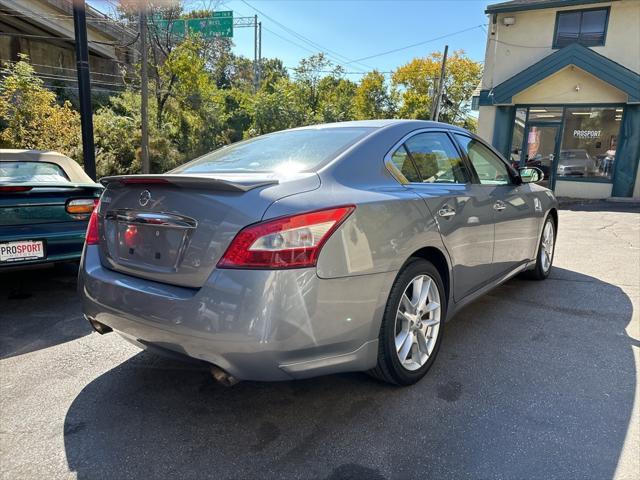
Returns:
point(531, 175)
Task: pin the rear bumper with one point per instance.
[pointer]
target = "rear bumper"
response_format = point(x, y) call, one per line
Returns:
point(257, 325)
point(63, 240)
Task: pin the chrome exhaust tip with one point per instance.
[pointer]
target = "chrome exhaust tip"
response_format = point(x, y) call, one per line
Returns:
point(101, 328)
point(223, 377)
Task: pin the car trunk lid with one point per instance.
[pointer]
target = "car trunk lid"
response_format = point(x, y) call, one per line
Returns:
point(174, 228)
point(25, 204)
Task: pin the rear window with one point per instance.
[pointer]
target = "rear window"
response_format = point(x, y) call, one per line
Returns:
point(31, 172)
point(287, 151)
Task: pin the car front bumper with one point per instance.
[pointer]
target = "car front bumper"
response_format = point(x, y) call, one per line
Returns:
point(255, 324)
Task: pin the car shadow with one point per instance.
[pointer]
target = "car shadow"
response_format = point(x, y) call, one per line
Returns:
point(535, 380)
point(39, 308)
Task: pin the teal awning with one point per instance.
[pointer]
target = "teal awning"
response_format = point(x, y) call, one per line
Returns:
point(575, 54)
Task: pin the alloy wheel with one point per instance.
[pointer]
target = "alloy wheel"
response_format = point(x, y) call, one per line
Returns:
point(417, 322)
point(546, 247)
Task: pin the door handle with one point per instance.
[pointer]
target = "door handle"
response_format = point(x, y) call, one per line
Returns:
point(447, 211)
point(499, 206)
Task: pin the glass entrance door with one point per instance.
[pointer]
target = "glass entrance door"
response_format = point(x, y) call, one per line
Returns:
point(541, 148)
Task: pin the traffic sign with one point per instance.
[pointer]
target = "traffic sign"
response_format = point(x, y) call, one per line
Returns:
point(220, 24)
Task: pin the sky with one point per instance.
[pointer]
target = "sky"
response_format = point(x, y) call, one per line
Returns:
point(350, 30)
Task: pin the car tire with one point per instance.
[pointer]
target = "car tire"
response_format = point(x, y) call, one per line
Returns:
point(390, 367)
point(544, 262)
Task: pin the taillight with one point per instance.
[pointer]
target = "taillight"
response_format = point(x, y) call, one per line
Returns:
point(14, 189)
point(144, 180)
point(287, 242)
point(78, 206)
point(91, 237)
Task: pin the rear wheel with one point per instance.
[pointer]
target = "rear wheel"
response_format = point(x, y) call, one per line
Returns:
point(546, 250)
point(412, 326)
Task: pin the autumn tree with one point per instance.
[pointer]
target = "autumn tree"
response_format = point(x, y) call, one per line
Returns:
point(417, 82)
point(372, 98)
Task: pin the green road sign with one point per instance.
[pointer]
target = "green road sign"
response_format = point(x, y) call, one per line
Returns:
point(220, 24)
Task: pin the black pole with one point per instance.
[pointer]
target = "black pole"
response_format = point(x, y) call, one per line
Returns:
point(84, 87)
point(144, 94)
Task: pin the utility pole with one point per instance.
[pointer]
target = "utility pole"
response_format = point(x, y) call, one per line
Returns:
point(84, 86)
point(438, 100)
point(259, 54)
point(144, 94)
point(255, 53)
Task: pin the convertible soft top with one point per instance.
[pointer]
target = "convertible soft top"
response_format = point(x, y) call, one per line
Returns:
point(73, 170)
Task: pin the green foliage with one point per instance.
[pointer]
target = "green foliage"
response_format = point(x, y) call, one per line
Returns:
point(335, 99)
point(117, 140)
point(418, 82)
point(276, 110)
point(372, 98)
point(30, 116)
point(202, 97)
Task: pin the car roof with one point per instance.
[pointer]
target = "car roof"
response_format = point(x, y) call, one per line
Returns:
point(73, 170)
point(381, 123)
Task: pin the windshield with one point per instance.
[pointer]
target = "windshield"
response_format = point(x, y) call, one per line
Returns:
point(31, 172)
point(286, 151)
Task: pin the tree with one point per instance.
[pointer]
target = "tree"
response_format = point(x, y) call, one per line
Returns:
point(117, 140)
point(276, 110)
point(273, 70)
point(335, 99)
point(307, 76)
point(31, 118)
point(372, 98)
point(417, 83)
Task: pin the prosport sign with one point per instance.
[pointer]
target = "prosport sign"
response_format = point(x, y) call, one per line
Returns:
point(21, 250)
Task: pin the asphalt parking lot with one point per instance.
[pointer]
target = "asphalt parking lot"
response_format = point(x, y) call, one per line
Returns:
point(536, 380)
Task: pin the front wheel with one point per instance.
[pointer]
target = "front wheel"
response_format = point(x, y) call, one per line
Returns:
point(546, 250)
point(412, 326)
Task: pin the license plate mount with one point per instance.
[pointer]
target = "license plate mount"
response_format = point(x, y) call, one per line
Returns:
point(22, 250)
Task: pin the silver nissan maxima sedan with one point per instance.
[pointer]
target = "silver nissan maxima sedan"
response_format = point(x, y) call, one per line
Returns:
point(323, 249)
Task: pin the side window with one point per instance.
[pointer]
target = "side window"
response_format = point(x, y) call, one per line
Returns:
point(490, 169)
point(437, 159)
point(403, 163)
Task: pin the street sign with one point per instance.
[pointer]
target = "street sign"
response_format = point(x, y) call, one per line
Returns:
point(220, 24)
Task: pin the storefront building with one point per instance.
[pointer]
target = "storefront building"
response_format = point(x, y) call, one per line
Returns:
point(561, 91)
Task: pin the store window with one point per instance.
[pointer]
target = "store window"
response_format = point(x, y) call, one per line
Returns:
point(587, 27)
point(545, 114)
point(588, 148)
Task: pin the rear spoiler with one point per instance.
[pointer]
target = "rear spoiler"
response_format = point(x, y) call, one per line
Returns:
point(25, 186)
point(235, 183)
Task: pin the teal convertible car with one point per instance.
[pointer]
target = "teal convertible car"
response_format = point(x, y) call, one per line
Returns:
point(46, 200)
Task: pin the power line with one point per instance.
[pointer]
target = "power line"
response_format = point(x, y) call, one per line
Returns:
point(75, 80)
point(55, 67)
point(518, 45)
point(418, 44)
point(68, 39)
point(288, 40)
point(96, 87)
point(338, 58)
